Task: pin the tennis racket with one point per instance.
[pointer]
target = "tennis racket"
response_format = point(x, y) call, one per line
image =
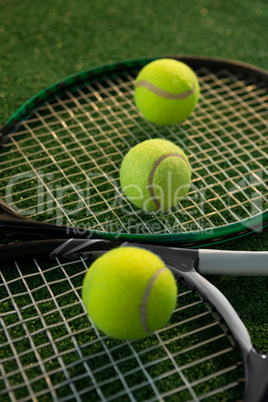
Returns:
point(60, 159)
point(50, 349)
point(61, 154)
point(205, 261)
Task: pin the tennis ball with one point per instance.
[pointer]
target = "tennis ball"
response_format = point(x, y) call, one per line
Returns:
point(166, 91)
point(155, 175)
point(129, 293)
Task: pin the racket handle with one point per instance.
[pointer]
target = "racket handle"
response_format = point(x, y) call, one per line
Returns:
point(226, 262)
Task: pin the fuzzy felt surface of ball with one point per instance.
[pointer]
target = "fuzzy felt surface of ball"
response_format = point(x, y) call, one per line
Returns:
point(166, 91)
point(155, 175)
point(129, 293)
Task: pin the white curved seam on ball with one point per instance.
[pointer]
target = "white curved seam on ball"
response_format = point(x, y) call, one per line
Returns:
point(164, 94)
point(151, 176)
point(145, 299)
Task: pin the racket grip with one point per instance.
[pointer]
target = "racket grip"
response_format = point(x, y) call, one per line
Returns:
point(226, 262)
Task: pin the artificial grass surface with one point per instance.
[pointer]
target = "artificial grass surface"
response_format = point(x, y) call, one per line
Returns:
point(43, 42)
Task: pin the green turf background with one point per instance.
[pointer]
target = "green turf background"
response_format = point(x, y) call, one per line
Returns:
point(44, 41)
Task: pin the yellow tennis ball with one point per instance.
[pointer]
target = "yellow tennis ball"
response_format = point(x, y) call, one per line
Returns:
point(155, 175)
point(129, 293)
point(166, 91)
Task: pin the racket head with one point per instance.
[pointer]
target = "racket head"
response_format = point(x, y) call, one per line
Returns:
point(224, 138)
point(52, 349)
